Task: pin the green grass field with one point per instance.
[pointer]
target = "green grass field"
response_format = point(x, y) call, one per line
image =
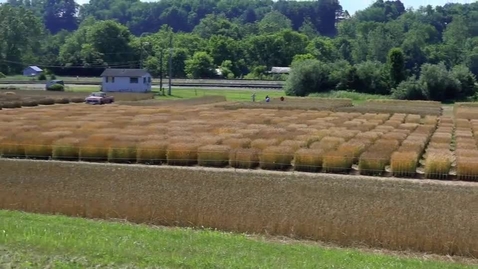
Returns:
point(181, 93)
point(231, 95)
point(24, 78)
point(242, 94)
point(38, 241)
point(355, 96)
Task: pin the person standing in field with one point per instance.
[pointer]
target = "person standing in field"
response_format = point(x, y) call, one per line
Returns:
point(268, 99)
point(253, 97)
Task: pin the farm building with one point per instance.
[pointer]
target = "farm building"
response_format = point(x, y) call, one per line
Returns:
point(279, 70)
point(126, 80)
point(32, 71)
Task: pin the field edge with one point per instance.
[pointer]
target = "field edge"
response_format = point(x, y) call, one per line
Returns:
point(272, 241)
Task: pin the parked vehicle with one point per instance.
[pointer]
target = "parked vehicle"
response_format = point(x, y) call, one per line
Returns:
point(55, 85)
point(99, 98)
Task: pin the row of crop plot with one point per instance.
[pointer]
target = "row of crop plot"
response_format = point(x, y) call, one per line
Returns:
point(465, 141)
point(439, 156)
point(291, 103)
point(297, 140)
point(422, 108)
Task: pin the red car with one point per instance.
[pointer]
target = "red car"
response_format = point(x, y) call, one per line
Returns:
point(99, 98)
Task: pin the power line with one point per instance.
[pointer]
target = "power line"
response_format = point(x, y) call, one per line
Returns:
point(119, 64)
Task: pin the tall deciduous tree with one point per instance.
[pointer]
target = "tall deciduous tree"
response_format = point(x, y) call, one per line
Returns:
point(60, 15)
point(307, 77)
point(20, 38)
point(396, 65)
point(201, 65)
point(112, 40)
point(273, 22)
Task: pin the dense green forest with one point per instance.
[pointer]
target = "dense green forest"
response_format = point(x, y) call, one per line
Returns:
point(428, 53)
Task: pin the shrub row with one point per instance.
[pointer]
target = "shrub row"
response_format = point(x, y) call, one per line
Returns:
point(31, 102)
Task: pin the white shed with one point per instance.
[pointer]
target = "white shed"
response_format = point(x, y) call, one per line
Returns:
point(31, 71)
point(279, 70)
point(126, 80)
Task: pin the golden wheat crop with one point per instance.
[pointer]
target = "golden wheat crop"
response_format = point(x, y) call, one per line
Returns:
point(262, 143)
point(182, 154)
point(276, 158)
point(294, 144)
point(339, 161)
point(373, 162)
point(314, 139)
point(328, 143)
point(122, 152)
point(438, 164)
point(66, 149)
point(308, 160)
point(353, 149)
point(12, 147)
point(213, 155)
point(404, 163)
point(339, 209)
point(244, 158)
point(466, 167)
point(151, 152)
point(95, 147)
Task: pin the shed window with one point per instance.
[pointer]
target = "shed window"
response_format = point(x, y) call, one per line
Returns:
point(149, 79)
point(144, 80)
point(133, 80)
point(107, 79)
point(112, 79)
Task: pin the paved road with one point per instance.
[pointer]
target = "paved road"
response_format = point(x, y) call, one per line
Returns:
point(42, 86)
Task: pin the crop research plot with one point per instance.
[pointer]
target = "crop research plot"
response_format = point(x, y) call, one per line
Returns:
point(302, 135)
point(294, 138)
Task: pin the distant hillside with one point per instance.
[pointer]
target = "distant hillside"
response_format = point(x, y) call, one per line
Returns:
point(243, 38)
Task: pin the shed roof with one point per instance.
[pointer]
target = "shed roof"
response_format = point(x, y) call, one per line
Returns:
point(112, 72)
point(35, 68)
point(280, 70)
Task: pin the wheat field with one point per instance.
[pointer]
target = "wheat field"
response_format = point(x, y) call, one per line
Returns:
point(318, 140)
point(428, 216)
point(314, 175)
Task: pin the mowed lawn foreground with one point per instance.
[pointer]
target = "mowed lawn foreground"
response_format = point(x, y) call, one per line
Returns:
point(40, 241)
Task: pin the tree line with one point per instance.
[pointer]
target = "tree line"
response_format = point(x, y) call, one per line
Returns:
point(427, 53)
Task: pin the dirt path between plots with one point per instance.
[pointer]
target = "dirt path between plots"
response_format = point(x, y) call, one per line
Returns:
point(253, 172)
point(447, 110)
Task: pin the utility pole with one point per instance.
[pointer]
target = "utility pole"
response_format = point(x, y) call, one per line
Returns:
point(161, 72)
point(141, 57)
point(170, 61)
